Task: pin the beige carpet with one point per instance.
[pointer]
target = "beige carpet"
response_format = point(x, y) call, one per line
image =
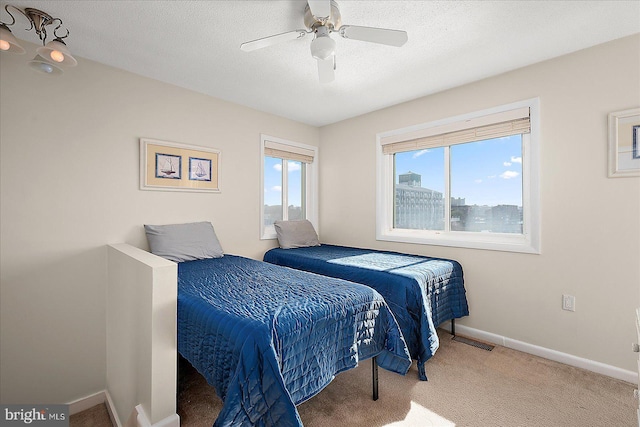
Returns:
point(467, 387)
point(98, 416)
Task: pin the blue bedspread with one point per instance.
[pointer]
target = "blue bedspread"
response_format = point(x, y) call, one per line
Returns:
point(422, 292)
point(268, 337)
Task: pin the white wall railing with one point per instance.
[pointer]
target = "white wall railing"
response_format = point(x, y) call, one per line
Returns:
point(142, 336)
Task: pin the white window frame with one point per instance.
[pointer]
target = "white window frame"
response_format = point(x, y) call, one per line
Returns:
point(310, 188)
point(527, 242)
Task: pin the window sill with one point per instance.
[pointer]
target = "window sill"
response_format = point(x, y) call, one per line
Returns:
point(487, 241)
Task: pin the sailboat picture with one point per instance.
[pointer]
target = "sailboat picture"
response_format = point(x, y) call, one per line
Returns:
point(171, 166)
point(199, 169)
point(168, 166)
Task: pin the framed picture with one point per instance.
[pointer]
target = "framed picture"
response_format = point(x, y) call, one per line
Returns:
point(624, 143)
point(170, 166)
point(199, 169)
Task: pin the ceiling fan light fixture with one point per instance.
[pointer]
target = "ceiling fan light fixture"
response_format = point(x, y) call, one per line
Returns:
point(8, 43)
point(322, 46)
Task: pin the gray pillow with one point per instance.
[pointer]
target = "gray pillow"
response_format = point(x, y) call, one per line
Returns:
point(184, 242)
point(296, 234)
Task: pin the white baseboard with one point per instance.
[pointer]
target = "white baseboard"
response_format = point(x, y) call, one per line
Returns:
point(92, 400)
point(87, 402)
point(111, 408)
point(557, 356)
point(143, 421)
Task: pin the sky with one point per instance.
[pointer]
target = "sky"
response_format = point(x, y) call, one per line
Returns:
point(273, 182)
point(484, 173)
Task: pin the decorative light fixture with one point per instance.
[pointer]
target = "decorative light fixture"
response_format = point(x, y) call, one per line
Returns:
point(50, 55)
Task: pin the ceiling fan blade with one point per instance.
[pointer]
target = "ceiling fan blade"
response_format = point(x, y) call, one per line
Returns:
point(271, 40)
point(326, 69)
point(374, 35)
point(320, 8)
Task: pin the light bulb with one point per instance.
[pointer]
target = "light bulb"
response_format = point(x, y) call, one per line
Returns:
point(57, 56)
point(46, 68)
point(4, 45)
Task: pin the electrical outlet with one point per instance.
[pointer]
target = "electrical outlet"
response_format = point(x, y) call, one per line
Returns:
point(569, 302)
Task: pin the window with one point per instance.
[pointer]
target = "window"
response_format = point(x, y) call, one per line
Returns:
point(468, 181)
point(288, 183)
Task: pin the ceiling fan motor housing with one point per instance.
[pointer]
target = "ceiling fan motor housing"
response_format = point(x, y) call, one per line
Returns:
point(333, 22)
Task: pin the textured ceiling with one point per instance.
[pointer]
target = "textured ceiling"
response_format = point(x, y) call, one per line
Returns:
point(196, 45)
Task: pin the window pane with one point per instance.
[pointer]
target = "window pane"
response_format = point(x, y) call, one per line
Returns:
point(295, 193)
point(272, 190)
point(419, 189)
point(486, 186)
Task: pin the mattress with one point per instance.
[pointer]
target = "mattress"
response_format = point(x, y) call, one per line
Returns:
point(422, 292)
point(267, 338)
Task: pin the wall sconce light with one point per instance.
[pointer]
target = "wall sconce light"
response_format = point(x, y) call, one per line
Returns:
point(51, 54)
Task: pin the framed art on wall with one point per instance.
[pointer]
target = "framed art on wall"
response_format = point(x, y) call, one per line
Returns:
point(171, 166)
point(168, 166)
point(624, 143)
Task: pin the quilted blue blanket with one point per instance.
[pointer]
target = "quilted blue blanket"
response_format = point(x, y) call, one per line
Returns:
point(422, 292)
point(268, 338)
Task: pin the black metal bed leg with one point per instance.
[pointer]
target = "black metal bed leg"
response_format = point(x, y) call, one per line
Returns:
point(453, 327)
point(374, 377)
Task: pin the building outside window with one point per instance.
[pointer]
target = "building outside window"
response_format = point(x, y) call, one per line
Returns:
point(417, 207)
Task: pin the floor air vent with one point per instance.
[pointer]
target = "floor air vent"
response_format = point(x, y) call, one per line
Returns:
point(473, 343)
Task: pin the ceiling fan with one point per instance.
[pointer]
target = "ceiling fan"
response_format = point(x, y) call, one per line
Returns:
point(321, 18)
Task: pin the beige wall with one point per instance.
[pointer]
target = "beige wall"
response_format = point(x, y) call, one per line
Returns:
point(590, 223)
point(69, 185)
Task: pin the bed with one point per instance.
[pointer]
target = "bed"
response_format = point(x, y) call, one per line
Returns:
point(421, 292)
point(267, 337)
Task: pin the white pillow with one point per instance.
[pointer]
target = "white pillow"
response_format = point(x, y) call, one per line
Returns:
point(184, 242)
point(296, 234)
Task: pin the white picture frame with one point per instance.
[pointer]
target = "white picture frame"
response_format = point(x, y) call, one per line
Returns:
point(624, 143)
point(171, 166)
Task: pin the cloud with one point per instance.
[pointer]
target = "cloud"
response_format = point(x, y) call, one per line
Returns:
point(478, 181)
point(492, 176)
point(277, 188)
point(507, 163)
point(419, 153)
point(509, 174)
point(516, 159)
point(291, 166)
